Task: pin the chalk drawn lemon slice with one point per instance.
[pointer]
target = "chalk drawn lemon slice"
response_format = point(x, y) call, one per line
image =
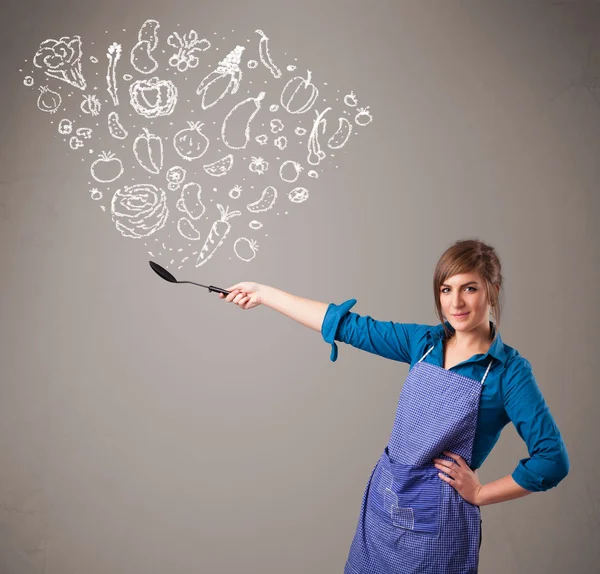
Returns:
point(219, 167)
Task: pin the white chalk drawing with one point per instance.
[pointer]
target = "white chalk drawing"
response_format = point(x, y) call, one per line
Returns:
point(293, 169)
point(85, 133)
point(265, 56)
point(141, 55)
point(187, 48)
point(61, 59)
point(273, 107)
point(254, 224)
point(276, 126)
point(312, 173)
point(187, 230)
point(265, 202)
point(252, 64)
point(93, 59)
point(220, 167)
point(245, 248)
point(300, 131)
point(91, 105)
point(175, 177)
point(127, 77)
point(148, 150)
point(281, 142)
point(299, 94)
point(95, 194)
point(75, 143)
point(315, 154)
point(340, 137)
point(350, 100)
point(107, 168)
point(28, 81)
point(48, 101)
point(235, 192)
point(291, 68)
point(363, 117)
point(298, 195)
point(113, 55)
point(241, 113)
point(190, 201)
point(219, 231)
point(65, 127)
point(139, 210)
point(258, 165)
point(225, 79)
point(115, 128)
point(152, 98)
point(190, 143)
point(262, 139)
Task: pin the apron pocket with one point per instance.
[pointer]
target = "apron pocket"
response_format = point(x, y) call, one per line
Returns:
point(411, 496)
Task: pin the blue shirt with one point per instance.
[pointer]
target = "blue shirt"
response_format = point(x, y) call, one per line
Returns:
point(510, 391)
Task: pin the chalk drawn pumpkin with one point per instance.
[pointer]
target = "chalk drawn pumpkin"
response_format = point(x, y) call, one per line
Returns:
point(152, 98)
point(299, 94)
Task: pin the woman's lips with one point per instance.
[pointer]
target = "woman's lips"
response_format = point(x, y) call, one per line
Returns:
point(462, 316)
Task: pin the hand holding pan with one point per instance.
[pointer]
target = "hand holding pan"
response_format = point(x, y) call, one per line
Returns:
point(168, 277)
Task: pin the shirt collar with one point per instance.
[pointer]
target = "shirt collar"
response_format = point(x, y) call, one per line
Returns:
point(496, 349)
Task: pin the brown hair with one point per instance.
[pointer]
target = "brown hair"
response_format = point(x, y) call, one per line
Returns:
point(470, 256)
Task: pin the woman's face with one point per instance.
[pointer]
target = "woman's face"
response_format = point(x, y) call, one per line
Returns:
point(464, 301)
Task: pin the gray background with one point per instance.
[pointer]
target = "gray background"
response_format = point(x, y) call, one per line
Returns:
point(146, 427)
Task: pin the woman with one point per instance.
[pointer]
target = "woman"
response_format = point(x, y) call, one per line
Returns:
point(420, 508)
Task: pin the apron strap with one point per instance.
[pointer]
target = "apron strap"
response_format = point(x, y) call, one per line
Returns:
point(427, 353)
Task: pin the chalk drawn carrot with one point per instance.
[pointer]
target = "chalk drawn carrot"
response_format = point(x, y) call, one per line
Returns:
point(218, 231)
point(113, 55)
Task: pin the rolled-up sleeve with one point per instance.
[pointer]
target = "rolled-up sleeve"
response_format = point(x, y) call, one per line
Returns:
point(385, 338)
point(548, 461)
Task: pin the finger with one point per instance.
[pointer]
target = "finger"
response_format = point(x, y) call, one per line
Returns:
point(232, 295)
point(238, 298)
point(244, 302)
point(446, 479)
point(445, 468)
point(456, 457)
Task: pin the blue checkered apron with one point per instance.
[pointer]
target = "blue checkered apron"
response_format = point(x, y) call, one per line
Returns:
point(411, 521)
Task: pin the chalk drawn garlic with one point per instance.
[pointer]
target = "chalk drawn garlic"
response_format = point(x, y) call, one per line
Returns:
point(190, 143)
point(225, 79)
point(245, 248)
point(219, 231)
point(299, 94)
point(48, 100)
point(220, 167)
point(141, 57)
point(265, 56)
point(152, 98)
point(290, 170)
point(139, 210)
point(107, 168)
point(265, 202)
point(91, 105)
point(241, 114)
point(61, 59)
point(65, 127)
point(175, 177)
point(186, 47)
point(75, 143)
point(113, 55)
point(258, 165)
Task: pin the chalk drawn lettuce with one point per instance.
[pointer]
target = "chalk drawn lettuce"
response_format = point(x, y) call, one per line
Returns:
point(61, 59)
point(139, 210)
